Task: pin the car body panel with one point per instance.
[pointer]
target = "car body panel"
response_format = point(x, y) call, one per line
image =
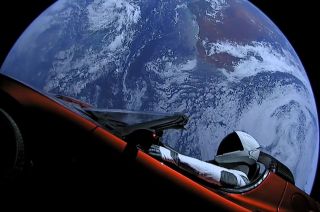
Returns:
point(294, 200)
point(166, 172)
point(56, 135)
point(31, 98)
point(265, 197)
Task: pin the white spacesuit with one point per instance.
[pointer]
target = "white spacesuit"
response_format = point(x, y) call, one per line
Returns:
point(237, 152)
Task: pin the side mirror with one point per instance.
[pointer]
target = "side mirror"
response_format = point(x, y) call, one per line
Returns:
point(143, 138)
point(11, 147)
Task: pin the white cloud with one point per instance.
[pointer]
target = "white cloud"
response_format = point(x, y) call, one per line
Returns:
point(121, 13)
point(254, 58)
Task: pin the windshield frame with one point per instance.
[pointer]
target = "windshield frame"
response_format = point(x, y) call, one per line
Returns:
point(117, 127)
point(156, 121)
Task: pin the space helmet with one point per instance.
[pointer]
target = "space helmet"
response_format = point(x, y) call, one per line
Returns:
point(238, 148)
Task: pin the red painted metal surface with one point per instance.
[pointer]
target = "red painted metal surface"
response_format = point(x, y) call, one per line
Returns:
point(265, 197)
point(295, 199)
point(28, 97)
point(159, 168)
point(272, 194)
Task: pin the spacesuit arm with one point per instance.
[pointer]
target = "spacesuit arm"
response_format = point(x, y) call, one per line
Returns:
point(206, 171)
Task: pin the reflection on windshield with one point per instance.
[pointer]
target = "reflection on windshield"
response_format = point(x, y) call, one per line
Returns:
point(124, 122)
point(127, 117)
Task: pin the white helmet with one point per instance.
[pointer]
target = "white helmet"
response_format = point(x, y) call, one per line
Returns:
point(238, 147)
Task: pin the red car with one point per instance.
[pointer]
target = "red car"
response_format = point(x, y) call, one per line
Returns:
point(52, 143)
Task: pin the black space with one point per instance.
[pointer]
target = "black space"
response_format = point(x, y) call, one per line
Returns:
point(297, 21)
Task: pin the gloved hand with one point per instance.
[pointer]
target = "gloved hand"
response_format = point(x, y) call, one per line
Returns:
point(164, 154)
point(154, 151)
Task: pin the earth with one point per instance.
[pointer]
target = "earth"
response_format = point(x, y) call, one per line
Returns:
point(221, 62)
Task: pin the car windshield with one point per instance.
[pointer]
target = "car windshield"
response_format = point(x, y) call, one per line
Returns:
point(125, 116)
point(125, 122)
